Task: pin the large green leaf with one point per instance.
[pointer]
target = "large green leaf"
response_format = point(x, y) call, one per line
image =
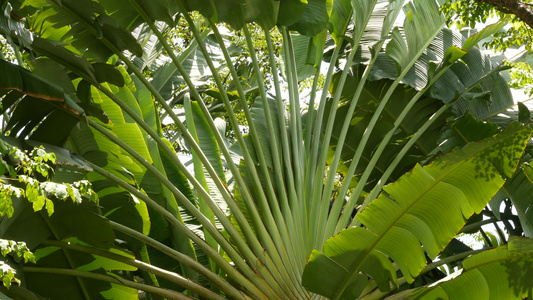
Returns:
point(31, 84)
point(39, 108)
point(427, 206)
point(205, 138)
point(117, 205)
point(340, 18)
point(203, 135)
point(64, 56)
point(417, 77)
point(383, 17)
point(262, 12)
point(266, 13)
point(126, 14)
point(501, 273)
point(205, 7)
point(315, 17)
point(290, 11)
point(29, 114)
point(82, 23)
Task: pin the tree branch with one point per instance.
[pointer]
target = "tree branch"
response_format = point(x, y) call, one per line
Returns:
point(518, 8)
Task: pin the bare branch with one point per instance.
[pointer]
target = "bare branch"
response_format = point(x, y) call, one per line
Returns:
point(518, 8)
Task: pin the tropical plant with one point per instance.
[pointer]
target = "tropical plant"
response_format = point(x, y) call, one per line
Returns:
point(351, 198)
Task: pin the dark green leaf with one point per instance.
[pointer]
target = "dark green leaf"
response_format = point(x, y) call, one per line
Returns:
point(315, 17)
point(108, 73)
point(524, 115)
point(464, 130)
point(290, 11)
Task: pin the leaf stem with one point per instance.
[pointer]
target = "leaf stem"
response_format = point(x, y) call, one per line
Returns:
point(478, 224)
point(285, 172)
point(213, 254)
point(68, 257)
point(171, 276)
point(264, 256)
point(449, 259)
point(109, 278)
point(278, 223)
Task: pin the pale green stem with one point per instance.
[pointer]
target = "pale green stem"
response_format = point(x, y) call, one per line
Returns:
point(221, 186)
point(323, 212)
point(369, 288)
point(189, 206)
point(91, 29)
point(220, 215)
point(220, 282)
point(277, 266)
point(317, 218)
point(171, 276)
point(355, 223)
point(387, 138)
point(182, 258)
point(449, 259)
point(312, 98)
point(478, 224)
point(215, 131)
point(199, 173)
point(278, 241)
point(295, 123)
point(284, 241)
point(112, 279)
point(334, 214)
point(231, 203)
point(293, 204)
point(158, 97)
point(186, 172)
point(263, 165)
point(312, 198)
point(352, 201)
point(357, 156)
point(316, 145)
point(377, 294)
point(163, 179)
